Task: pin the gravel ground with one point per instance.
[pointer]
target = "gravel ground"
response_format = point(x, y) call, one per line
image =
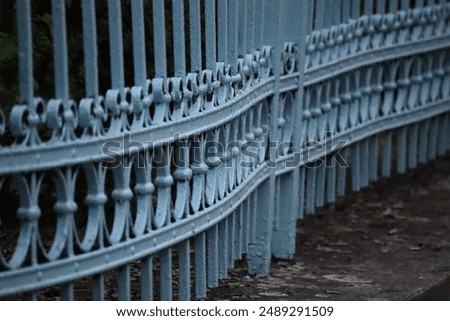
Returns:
point(390, 241)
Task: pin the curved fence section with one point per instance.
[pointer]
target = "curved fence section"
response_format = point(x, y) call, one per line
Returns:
point(224, 122)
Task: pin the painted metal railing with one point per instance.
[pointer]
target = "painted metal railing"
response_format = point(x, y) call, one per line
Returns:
point(154, 189)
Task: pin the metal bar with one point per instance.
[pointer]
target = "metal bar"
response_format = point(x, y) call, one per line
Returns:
point(222, 22)
point(90, 48)
point(310, 190)
point(320, 184)
point(386, 156)
point(223, 249)
point(25, 47)
point(368, 7)
point(213, 259)
point(393, 5)
point(381, 6)
point(233, 31)
point(210, 33)
point(116, 44)
point(123, 283)
point(232, 239)
point(355, 10)
point(249, 25)
point(159, 38)
point(335, 8)
point(331, 179)
point(413, 138)
point(200, 265)
point(345, 11)
point(319, 14)
point(184, 271)
point(139, 61)
point(355, 166)
point(60, 51)
point(165, 260)
point(179, 51)
point(147, 278)
point(195, 35)
point(66, 292)
point(373, 158)
point(259, 23)
point(98, 287)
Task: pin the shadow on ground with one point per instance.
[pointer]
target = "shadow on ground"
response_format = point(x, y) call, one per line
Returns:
point(391, 241)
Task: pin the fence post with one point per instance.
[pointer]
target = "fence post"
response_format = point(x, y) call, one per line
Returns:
point(259, 254)
point(288, 194)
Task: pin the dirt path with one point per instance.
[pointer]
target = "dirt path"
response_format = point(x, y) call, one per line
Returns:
point(390, 241)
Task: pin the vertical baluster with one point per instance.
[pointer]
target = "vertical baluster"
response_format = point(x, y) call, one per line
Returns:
point(386, 156)
point(355, 167)
point(25, 47)
point(67, 292)
point(245, 218)
point(368, 7)
point(231, 239)
point(310, 16)
point(381, 6)
point(328, 14)
point(432, 150)
point(404, 4)
point(442, 138)
point(213, 257)
point(423, 141)
point(283, 241)
point(319, 14)
point(413, 133)
point(393, 5)
point(61, 75)
point(139, 61)
point(364, 162)
point(115, 44)
point(242, 34)
point(222, 36)
point(373, 158)
point(301, 192)
point(200, 265)
point(166, 274)
point(259, 255)
point(355, 10)
point(238, 234)
point(210, 33)
point(98, 287)
point(90, 48)
point(60, 51)
point(419, 3)
point(259, 23)
point(123, 283)
point(310, 189)
point(341, 176)
point(223, 249)
point(195, 35)
point(249, 25)
point(233, 31)
point(179, 52)
point(159, 38)
point(320, 183)
point(147, 278)
point(345, 11)
point(401, 150)
point(184, 271)
point(335, 12)
point(331, 178)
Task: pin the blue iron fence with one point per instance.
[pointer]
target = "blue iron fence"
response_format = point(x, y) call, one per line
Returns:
point(273, 108)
